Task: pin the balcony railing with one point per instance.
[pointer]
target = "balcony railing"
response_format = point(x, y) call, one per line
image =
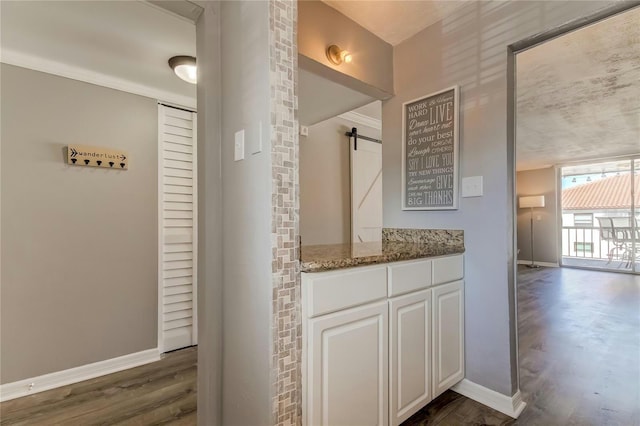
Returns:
point(587, 242)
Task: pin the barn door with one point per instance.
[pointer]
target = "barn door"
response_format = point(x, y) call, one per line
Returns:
point(366, 191)
point(177, 310)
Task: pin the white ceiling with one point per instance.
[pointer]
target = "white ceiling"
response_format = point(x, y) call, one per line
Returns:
point(578, 96)
point(396, 20)
point(122, 40)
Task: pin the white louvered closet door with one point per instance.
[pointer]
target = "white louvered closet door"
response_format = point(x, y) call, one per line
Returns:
point(177, 310)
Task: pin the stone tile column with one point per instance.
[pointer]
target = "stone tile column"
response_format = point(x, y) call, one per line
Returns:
point(287, 318)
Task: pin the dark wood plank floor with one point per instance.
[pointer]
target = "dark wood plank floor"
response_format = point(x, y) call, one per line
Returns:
point(162, 392)
point(579, 344)
point(579, 336)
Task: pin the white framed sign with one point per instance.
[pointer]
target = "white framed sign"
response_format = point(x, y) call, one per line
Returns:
point(430, 151)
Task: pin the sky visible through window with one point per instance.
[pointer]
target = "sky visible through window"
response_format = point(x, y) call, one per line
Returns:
point(583, 174)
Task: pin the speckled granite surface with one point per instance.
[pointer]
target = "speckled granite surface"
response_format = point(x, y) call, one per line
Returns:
point(452, 237)
point(337, 256)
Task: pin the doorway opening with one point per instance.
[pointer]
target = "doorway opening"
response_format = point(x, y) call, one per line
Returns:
point(570, 119)
point(576, 148)
point(88, 73)
point(340, 163)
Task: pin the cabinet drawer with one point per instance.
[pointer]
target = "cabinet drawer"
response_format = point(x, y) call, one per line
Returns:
point(325, 292)
point(446, 269)
point(409, 276)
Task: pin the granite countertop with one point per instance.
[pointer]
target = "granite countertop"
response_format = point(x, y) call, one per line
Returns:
point(337, 256)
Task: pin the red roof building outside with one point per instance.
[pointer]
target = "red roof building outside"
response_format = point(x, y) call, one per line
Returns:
point(609, 193)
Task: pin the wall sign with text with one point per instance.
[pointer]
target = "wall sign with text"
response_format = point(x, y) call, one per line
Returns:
point(430, 152)
point(82, 155)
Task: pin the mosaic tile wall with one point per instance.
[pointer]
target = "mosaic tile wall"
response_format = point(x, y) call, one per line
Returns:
point(287, 318)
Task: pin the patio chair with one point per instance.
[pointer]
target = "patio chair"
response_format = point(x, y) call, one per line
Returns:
point(616, 231)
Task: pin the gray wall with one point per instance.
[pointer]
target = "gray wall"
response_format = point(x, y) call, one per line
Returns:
point(320, 25)
point(246, 201)
point(325, 182)
point(79, 244)
point(469, 49)
point(209, 218)
point(538, 182)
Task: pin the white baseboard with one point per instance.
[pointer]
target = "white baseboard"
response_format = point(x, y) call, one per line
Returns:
point(547, 264)
point(511, 406)
point(77, 374)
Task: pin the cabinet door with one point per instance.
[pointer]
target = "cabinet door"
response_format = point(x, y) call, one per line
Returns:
point(347, 365)
point(409, 355)
point(448, 336)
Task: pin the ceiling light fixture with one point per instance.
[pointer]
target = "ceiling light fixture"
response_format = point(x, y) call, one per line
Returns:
point(337, 56)
point(184, 67)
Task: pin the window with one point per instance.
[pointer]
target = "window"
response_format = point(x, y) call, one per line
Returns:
point(583, 219)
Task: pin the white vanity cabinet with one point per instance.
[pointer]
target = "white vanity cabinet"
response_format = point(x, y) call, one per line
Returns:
point(348, 367)
point(448, 336)
point(448, 323)
point(410, 325)
point(345, 347)
point(380, 342)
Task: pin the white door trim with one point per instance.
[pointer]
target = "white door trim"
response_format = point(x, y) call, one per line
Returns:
point(194, 337)
point(160, 227)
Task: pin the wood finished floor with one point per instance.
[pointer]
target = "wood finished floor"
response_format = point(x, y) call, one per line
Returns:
point(159, 393)
point(579, 337)
point(579, 344)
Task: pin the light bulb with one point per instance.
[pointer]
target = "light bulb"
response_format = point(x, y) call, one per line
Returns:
point(187, 72)
point(337, 56)
point(185, 68)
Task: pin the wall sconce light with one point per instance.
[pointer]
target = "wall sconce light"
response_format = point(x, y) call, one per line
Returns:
point(337, 56)
point(184, 67)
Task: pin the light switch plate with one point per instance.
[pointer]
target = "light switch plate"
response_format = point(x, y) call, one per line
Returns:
point(472, 186)
point(238, 147)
